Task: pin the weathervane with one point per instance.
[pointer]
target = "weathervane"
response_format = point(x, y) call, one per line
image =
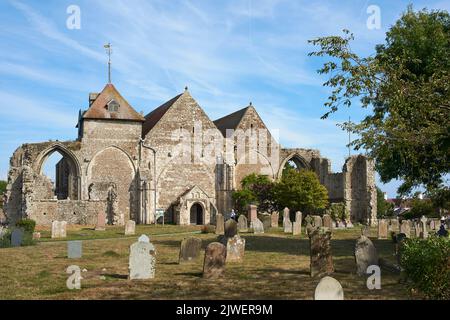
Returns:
point(108, 51)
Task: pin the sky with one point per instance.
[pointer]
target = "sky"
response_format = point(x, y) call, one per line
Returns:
point(228, 53)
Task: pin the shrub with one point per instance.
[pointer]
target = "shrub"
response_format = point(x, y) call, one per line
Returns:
point(338, 211)
point(426, 264)
point(28, 225)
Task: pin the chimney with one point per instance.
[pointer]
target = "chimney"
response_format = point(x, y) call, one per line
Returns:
point(92, 97)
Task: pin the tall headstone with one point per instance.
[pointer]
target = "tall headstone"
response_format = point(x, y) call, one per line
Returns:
point(242, 223)
point(17, 237)
point(220, 225)
point(231, 228)
point(423, 222)
point(287, 225)
point(296, 228)
point(214, 263)
point(235, 249)
point(317, 221)
point(59, 229)
point(298, 216)
point(130, 228)
point(329, 289)
point(190, 249)
point(286, 214)
point(274, 219)
point(365, 255)
point(142, 259)
point(417, 228)
point(252, 213)
point(266, 221)
point(74, 249)
point(101, 221)
point(257, 226)
point(382, 229)
point(321, 260)
point(405, 228)
point(327, 221)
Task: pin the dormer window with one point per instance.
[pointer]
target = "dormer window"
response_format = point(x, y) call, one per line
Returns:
point(113, 106)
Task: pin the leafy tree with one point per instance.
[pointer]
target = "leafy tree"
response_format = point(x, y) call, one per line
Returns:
point(406, 85)
point(420, 208)
point(300, 190)
point(440, 198)
point(3, 186)
point(256, 189)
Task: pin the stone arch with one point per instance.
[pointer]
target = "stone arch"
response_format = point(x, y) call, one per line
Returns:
point(68, 180)
point(299, 161)
point(114, 166)
point(197, 217)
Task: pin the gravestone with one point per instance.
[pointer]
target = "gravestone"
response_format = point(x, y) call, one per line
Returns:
point(231, 228)
point(214, 263)
point(298, 216)
point(242, 223)
point(417, 229)
point(365, 231)
point(3, 231)
point(327, 221)
point(17, 237)
point(394, 225)
point(59, 229)
point(432, 227)
point(36, 235)
point(266, 221)
point(220, 225)
point(321, 260)
point(252, 213)
point(235, 249)
point(296, 228)
point(317, 221)
point(142, 259)
point(286, 214)
point(257, 226)
point(423, 222)
point(405, 228)
point(287, 225)
point(365, 255)
point(382, 229)
point(74, 249)
point(101, 221)
point(275, 216)
point(130, 228)
point(190, 249)
point(329, 289)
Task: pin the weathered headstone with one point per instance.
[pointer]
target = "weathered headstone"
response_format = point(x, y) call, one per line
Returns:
point(252, 213)
point(215, 258)
point(365, 255)
point(220, 225)
point(286, 214)
point(59, 229)
point(74, 249)
point(327, 221)
point(321, 260)
point(142, 259)
point(231, 228)
point(296, 228)
point(130, 228)
point(394, 225)
point(317, 221)
point(257, 226)
point(417, 229)
point(405, 228)
point(101, 221)
point(235, 249)
point(382, 229)
point(329, 289)
point(274, 219)
point(423, 222)
point(298, 216)
point(266, 221)
point(242, 223)
point(190, 249)
point(287, 225)
point(17, 237)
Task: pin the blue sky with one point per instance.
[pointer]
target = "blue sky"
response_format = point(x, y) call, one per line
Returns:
point(227, 52)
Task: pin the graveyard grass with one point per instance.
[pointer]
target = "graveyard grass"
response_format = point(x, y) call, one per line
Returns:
point(276, 266)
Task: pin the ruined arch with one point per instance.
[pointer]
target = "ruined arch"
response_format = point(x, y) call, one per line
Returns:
point(297, 159)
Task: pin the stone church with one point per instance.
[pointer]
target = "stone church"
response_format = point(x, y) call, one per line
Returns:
point(134, 167)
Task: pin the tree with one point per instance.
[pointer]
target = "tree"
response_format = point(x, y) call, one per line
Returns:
point(420, 208)
point(256, 189)
point(440, 198)
point(406, 83)
point(300, 190)
point(3, 186)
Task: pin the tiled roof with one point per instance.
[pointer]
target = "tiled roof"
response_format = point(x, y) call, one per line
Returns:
point(230, 121)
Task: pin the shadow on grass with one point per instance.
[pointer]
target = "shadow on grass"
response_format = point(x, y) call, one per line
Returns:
point(190, 274)
point(116, 276)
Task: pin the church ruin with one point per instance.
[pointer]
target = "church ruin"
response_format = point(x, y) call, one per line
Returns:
point(134, 167)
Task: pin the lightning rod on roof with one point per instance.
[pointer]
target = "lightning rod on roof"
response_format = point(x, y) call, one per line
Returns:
point(108, 48)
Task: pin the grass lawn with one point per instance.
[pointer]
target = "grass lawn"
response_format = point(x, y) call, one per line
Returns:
point(276, 266)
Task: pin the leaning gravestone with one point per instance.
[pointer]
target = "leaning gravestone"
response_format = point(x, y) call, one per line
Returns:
point(74, 249)
point(101, 221)
point(220, 225)
point(365, 255)
point(329, 289)
point(142, 259)
point(235, 249)
point(190, 249)
point(252, 213)
point(242, 223)
point(130, 228)
point(317, 221)
point(405, 228)
point(274, 219)
point(59, 229)
point(257, 226)
point(327, 221)
point(296, 228)
point(321, 260)
point(215, 258)
point(382, 229)
point(231, 228)
point(423, 222)
point(17, 237)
